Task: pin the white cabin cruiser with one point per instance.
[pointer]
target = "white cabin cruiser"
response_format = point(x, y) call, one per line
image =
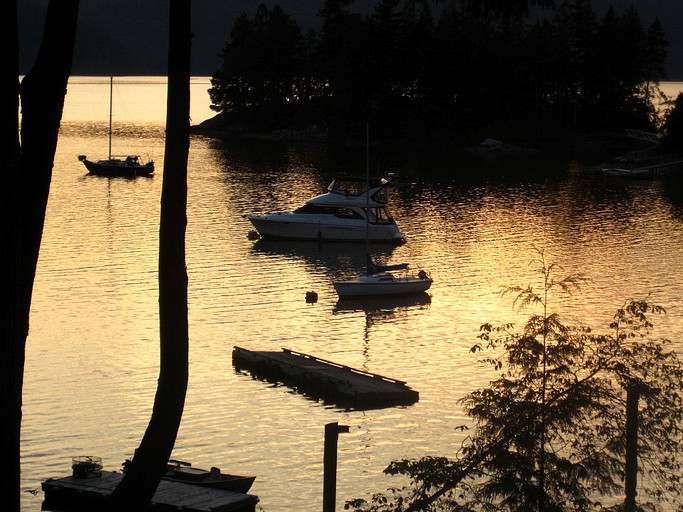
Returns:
point(353, 209)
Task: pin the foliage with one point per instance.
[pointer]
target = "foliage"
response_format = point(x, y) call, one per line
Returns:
point(549, 431)
point(479, 64)
point(261, 64)
point(673, 125)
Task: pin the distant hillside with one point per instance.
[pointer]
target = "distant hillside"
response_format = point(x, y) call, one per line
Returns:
point(129, 37)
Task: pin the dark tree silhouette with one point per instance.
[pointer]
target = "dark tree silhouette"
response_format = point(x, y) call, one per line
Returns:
point(673, 125)
point(506, 10)
point(481, 67)
point(25, 173)
point(144, 473)
point(549, 433)
point(261, 65)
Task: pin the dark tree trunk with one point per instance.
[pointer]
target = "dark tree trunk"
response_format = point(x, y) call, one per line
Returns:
point(25, 172)
point(140, 482)
point(11, 341)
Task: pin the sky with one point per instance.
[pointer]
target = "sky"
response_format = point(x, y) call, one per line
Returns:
point(132, 38)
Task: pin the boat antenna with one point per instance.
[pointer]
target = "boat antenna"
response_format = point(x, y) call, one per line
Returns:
point(367, 196)
point(111, 94)
point(368, 259)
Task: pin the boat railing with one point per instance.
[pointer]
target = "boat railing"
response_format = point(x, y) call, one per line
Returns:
point(341, 366)
point(356, 186)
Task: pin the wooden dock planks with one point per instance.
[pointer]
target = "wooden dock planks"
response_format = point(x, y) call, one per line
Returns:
point(325, 379)
point(170, 496)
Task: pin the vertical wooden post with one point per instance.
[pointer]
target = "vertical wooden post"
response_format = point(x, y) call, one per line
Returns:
point(332, 431)
point(631, 471)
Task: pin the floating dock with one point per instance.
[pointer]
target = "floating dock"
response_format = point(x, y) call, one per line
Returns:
point(91, 493)
point(324, 379)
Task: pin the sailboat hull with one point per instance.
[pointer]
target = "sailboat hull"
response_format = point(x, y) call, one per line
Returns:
point(117, 167)
point(383, 284)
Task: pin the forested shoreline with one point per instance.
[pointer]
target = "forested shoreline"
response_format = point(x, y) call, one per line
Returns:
point(477, 69)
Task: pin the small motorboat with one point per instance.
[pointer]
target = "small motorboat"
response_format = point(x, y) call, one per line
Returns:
point(381, 281)
point(183, 472)
point(179, 471)
point(353, 209)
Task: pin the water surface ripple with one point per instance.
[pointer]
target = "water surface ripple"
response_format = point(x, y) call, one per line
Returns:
point(92, 359)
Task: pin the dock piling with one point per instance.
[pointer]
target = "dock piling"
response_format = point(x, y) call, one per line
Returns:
point(332, 431)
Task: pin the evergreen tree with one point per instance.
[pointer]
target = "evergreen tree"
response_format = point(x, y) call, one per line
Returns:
point(261, 64)
point(231, 88)
point(542, 69)
point(575, 26)
point(415, 47)
point(505, 10)
point(654, 63)
point(385, 42)
point(344, 60)
point(673, 126)
point(656, 46)
point(633, 110)
point(479, 66)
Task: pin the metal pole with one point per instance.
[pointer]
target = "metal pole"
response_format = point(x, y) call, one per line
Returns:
point(367, 198)
point(111, 94)
point(631, 470)
point(332, 431)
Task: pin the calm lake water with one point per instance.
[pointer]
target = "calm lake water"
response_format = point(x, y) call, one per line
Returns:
point(471, 220)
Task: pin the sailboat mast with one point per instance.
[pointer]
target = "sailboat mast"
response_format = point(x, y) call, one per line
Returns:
point(367, 188)
point(111, 95)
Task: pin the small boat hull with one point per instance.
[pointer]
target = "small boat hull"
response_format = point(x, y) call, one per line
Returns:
point(381, 285)
point(629, 173)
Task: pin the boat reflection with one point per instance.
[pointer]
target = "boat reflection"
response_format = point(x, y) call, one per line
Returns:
point(122, 177)
point(382, 306)
point(336, 258)
point(382, 309)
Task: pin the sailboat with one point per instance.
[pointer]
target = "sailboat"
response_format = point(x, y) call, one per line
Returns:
point(382, 280)
point(113, 165)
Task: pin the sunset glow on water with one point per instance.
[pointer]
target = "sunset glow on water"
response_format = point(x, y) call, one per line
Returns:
point(471, 220)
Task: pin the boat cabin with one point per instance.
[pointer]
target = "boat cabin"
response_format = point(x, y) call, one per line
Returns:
point(355, 186)
point(376, 215)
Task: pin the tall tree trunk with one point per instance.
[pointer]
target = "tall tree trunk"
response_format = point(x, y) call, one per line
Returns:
point(138, 486)
point(26, 172)
point(11, 341)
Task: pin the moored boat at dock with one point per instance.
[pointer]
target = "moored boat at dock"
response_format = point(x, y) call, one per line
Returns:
point(179, 471)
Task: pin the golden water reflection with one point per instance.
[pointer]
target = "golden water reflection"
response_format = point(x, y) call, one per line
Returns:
point(92, 358)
